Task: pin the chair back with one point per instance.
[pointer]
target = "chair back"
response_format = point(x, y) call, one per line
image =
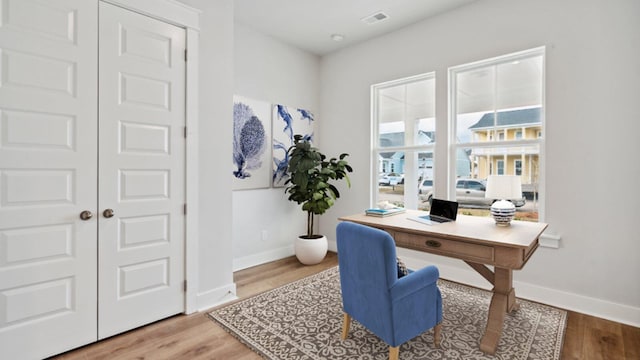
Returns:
point(368, 269)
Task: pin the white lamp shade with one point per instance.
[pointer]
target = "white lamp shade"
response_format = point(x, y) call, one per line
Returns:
point(503, 187)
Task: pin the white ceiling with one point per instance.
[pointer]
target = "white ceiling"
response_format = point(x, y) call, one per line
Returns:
point(309, 24)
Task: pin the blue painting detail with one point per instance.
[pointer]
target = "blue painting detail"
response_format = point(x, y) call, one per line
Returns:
point(280, 164)
point(285, 125)
point(283, 114)
point(249, 140)
point(306, 114)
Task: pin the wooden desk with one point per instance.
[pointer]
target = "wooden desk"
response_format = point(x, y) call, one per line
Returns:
point(478, 242)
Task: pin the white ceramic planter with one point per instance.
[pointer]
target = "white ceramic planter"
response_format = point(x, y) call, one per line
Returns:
point(310, 251)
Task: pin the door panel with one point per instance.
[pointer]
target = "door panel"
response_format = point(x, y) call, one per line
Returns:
point(141, 121)
point(48, 127)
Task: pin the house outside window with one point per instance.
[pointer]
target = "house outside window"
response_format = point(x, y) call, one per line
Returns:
point(403, 118)
point(496, 116)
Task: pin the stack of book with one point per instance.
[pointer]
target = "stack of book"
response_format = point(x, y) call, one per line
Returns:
point(384, 212)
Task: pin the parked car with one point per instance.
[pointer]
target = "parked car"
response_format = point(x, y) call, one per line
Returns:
point(425, 187)
point(391, 179)
point(471, 192)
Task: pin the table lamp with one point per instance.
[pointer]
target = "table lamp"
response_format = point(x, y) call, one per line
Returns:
point(503, 188)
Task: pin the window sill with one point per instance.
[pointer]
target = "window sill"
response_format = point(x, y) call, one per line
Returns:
point(550, 241)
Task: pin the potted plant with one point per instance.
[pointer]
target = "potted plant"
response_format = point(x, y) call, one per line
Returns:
point(309, 184)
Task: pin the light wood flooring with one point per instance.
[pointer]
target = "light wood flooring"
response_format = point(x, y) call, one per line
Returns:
point(195, 336)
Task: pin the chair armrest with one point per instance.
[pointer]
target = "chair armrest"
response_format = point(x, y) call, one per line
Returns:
point(414, 282)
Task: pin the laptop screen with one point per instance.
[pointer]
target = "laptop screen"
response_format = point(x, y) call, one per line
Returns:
point(444, 208)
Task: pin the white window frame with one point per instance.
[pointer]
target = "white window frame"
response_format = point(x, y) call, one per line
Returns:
point(452, 115)
point(411, 164)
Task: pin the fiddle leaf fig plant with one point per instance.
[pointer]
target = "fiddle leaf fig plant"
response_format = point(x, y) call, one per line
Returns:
point(310, 177)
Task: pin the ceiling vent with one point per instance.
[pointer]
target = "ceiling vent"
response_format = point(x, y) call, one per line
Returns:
point(375, 18)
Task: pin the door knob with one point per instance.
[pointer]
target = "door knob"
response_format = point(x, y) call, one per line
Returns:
point(86, 215)
point(108, 213)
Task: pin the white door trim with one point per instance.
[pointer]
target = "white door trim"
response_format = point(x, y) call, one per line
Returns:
point(170, 11)
point(179, 14)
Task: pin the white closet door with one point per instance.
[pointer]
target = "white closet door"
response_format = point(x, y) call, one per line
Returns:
point(141, 167)
point(48, 101)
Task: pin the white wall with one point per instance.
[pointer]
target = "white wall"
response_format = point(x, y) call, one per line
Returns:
point(592, 129)
point(214, 271)
point(268, 70)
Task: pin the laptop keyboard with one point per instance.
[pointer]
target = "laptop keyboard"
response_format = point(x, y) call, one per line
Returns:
point(438, 219)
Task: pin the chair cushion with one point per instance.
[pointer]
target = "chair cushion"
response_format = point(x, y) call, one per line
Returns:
point(402, 268)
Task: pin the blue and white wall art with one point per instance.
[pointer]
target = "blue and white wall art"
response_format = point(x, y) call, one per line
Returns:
point(288, 121)
point(251, 143)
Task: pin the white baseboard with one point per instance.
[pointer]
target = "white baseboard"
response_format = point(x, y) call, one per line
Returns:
point(263, 257)
point(583, 304)
point(591, 306)
point(215, 297)
point(561, 299)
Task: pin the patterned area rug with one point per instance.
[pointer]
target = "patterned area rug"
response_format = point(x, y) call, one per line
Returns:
point(303, 320)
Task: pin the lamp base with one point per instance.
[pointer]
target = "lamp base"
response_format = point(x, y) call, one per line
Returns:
point(503, 212)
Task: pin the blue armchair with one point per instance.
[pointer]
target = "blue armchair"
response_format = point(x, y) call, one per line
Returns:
point(394, 309)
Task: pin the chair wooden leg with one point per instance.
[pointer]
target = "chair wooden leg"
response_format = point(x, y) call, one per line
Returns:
point(394, 352)
point(436, 335)
point(345, 325)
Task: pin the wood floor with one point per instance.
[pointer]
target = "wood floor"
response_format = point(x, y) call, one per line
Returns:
point(197, 337)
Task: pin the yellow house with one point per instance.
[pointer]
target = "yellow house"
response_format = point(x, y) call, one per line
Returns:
point(511, 158)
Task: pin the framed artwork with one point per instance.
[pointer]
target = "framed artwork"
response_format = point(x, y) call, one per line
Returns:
point(288, 121)
point(251, 143)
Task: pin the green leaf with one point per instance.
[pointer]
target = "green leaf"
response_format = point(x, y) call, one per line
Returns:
point(311, 175)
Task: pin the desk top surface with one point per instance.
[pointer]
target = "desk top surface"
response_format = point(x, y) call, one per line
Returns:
point(521, 234)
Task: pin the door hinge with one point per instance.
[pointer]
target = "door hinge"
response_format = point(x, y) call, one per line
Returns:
point(184, 285)
point(185, 132)
point(185, 54)
point(184, 209)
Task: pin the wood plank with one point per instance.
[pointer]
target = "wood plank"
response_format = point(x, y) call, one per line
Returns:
point(484, 271)
point(602, 344)
point(631, 339)
point(573, 345)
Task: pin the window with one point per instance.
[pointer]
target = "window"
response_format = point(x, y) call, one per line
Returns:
point(500, 166)
point(495, 126)
point(518, 134)
point(475, 185)
point(496, 118)
point(517, 165)
point(403, 116)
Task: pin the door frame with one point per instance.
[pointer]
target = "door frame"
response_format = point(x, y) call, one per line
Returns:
point(186, 17)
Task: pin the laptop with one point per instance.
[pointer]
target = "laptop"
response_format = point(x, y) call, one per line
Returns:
point(441, 211)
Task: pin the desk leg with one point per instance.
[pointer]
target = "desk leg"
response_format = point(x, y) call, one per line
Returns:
point(502, 302)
